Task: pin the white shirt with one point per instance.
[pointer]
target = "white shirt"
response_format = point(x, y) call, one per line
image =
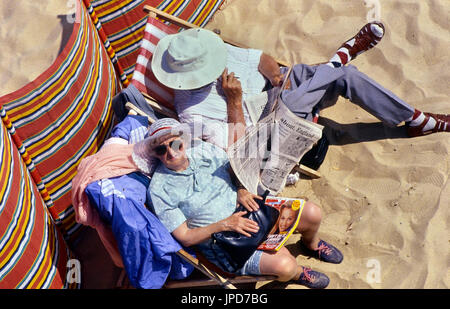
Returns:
point(205, 109)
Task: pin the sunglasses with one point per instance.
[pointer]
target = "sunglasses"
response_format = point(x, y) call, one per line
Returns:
point(161, 150)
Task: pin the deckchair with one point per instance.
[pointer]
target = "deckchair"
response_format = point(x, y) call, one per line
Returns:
point(160, 99)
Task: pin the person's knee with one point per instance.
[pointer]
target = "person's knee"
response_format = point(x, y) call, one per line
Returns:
point(350, 69)
point(352, 76)
point(313, 213)
point(285, 268)
point(311, 216)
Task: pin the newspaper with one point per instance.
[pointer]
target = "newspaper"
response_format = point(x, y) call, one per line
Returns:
point(290, 212)
point(263, 158)
point(261, 105)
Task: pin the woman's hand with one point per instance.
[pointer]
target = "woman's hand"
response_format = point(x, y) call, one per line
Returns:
point(237, 223)
point(152, 142)
point(247, 199)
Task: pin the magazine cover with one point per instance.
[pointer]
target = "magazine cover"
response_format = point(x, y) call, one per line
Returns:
point(290, 211)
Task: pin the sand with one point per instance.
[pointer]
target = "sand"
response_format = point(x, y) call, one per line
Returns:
point(32, 34)
point(384, 197)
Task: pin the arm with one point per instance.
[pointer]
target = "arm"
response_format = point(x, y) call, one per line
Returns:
point(233, 92)
point(244, 197)
point(270, 69)
point(188, 237)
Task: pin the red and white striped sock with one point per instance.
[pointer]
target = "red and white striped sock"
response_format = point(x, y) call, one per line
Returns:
point(342, 56)
point(418, 118)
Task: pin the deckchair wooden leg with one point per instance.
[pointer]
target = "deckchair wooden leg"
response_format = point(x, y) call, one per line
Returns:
point(158, 107)
point(209, 273)
point(308, 171)
point(134, 110)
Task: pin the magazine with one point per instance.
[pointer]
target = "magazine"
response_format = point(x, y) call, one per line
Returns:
point(290, 212)
point(263, 158)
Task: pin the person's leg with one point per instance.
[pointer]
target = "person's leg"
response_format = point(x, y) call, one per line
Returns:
point(366, 38)
point(360, 89)
point(310, 242)
point(309, 225)
point(383, 104)
point(320, 86)
point(283, 265)
point(419, 123)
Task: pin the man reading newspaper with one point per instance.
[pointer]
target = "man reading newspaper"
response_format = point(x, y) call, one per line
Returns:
point(192, 63)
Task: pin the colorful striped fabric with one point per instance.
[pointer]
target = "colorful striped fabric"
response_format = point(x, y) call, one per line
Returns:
point(143, 78)
point(124, 22)
point(65, 115)
point(33, 253)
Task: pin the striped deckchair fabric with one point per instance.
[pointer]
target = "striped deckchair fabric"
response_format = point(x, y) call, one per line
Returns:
point(33, 253)
point(143, 78)
point(63, 116)
point(123, 22)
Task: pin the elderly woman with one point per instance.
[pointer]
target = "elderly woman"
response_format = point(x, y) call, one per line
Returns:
point(193, 194)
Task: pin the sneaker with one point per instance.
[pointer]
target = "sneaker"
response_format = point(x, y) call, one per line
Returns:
point(365, 39)
point(324, 252)
point(442, 125)
point(312, 279)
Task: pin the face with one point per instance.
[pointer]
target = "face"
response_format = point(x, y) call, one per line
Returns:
point(287, 218)
point(172, 154)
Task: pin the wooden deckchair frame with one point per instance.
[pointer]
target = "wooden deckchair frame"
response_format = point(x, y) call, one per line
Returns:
point(212, 276)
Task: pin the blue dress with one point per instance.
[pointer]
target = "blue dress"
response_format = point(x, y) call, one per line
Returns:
point(201, 195)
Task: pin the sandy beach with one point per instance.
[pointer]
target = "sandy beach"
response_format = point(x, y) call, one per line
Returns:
point(384, 197)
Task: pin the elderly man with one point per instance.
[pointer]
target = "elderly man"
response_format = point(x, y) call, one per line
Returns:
point(193, 195)
point(196, 63)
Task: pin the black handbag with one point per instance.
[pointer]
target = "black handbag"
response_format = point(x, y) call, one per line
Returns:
point(237, 247)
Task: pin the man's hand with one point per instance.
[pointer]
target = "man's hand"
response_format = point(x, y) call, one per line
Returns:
point(232, 88)
point(247, 199)
point(270, 69)
point(277, 80)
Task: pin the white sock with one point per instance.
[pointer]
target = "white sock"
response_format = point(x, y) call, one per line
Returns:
point(377, 30)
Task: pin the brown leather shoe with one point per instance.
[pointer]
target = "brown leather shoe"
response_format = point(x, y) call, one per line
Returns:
point(442, 125)
point(365, 39)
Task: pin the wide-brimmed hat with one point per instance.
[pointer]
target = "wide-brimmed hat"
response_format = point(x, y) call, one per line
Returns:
point(141, 154)
point(189, 59)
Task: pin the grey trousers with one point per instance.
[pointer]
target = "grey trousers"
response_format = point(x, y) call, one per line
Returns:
point(317, 87)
